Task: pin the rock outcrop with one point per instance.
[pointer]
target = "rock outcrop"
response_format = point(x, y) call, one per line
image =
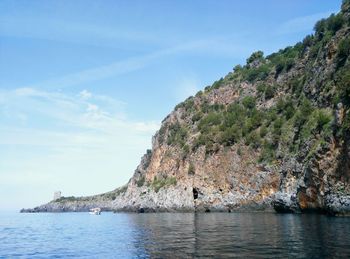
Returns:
point(273, 134)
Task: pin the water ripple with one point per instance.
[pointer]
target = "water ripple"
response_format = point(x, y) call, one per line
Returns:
point(180, 235)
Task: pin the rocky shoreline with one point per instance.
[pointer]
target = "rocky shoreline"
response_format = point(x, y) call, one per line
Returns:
point(334, 205)
point(339, 207)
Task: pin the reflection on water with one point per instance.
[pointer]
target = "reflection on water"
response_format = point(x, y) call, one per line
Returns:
point(242, 235)
point(178, 235)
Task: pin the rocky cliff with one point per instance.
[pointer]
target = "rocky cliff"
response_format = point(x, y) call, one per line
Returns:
point(272, 134)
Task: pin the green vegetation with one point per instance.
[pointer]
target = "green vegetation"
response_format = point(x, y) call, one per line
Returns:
point(296, 116)
point(110, 196)
point(161, 133)
point(263, 129)
point(325, 29)
point(267, 91)
point(113, 194)
point(185, 151)
point(248, 102)
point(197, 116)
point(157, 184)
point(211, 119)
point(218, 83)
point(343, 51)
point(177, 135)
point(66, 199)
point(188, 105)
point(228, 127)
point(140, 182)
point(121, 190)
point(256, 56)
point(343, 83)
point(191, 169)
point(258, 73)
point(296, 85)
point(343, 96)
point(330, 25)
point(284, 60)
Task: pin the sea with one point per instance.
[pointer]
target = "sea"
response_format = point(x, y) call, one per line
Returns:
point(173, 235)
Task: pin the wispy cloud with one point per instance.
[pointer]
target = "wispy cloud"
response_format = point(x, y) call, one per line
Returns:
point(98, 73)
point(84, 110)
point(85, 94)
point(135, 63)
point(68, 136)
point(301, 24)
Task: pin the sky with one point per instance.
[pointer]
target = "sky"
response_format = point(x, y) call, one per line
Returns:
point(84, 85)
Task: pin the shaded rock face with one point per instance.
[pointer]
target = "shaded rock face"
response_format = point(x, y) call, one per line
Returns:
point(220, 182)
point(202, 160)
point(320, 185)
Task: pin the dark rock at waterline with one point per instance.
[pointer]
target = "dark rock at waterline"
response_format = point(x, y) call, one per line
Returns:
point(338, 205)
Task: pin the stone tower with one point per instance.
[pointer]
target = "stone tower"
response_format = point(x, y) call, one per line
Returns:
point(56, 195)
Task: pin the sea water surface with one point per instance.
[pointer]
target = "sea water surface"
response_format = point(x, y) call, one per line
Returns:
point(173, 235)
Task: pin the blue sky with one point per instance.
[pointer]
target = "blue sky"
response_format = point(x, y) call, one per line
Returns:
point(85, 84)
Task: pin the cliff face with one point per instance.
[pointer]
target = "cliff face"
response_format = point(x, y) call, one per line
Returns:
point(274, 133)
point(175, 176)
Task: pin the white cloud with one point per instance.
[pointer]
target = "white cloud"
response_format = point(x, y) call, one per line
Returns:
point(85, 94)
point(92, 108)
point(27, 91)
point(80, 146)
point(102, 72)
point(213, 47)
point(81, 114)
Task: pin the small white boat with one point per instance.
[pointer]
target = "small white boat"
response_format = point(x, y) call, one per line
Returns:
point(95, 211)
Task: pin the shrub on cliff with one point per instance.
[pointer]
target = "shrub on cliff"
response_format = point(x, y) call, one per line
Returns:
point(191, 169)
point(331, 24)
point(343, 83)
point(323, 120)
point(268, 152)
point(343, 51)
point(335, 22)
point(256, 56)
point(266, 90)
point(257, 73)
point(270, 91)
point(230, 135)
point(285, 106)
point(253, 139)
point(157, 184)
point(208, 121)
point(248, 102)
point(218, 83)
point(177, 134)
point(140, 182)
